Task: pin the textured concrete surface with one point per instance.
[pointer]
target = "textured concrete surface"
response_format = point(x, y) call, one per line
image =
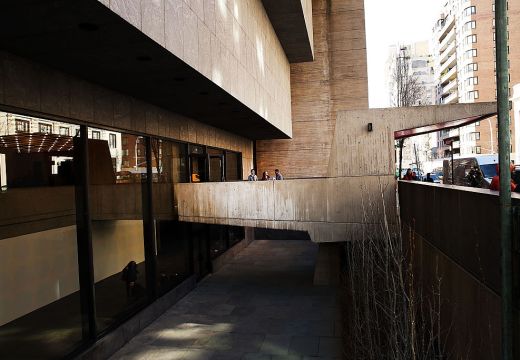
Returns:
point(260, 306)
point(329, 209)
point(354, 197)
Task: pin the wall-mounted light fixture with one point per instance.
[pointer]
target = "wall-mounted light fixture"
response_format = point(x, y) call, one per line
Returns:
point(369, 127)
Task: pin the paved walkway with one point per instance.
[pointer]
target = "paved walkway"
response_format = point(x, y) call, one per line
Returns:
point(260, 306)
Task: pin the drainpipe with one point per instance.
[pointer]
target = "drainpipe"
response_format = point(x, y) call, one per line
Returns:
point(504, 142)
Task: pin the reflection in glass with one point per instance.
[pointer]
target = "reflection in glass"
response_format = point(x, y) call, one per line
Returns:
point(40, 314)
point(172, 242)
point(233, 166)
point(168, 162)
point(116, 178)
point(218, 239)
point(201, 249)
point(173, 254)
point(216, 165)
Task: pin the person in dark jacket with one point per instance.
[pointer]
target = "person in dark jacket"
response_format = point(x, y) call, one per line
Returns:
point(408, 175)
point(130, 277)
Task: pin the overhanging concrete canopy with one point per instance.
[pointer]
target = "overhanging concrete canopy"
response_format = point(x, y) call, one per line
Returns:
point(292, 28)
point(86, 39)
point(401, 134)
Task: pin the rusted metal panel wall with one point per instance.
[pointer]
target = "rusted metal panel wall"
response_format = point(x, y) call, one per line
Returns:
point(455, 236)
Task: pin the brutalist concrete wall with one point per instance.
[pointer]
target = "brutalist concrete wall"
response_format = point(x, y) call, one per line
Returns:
point(336, 80)
point(357, 194)
point(232, 43)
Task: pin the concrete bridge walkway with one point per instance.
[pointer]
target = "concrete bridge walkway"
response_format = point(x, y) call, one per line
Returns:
point(262, 305)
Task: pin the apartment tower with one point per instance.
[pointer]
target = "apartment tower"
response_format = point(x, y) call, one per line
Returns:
point(464, 51)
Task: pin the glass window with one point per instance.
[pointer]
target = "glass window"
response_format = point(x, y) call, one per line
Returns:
point(174, 257)
point(218, 240)
point(233, 166)
point(169, 161)
point(173, 243)
point(45, 128)
point(112, 139)
point(117, 230)
point(472, 95)
point(40, 314)
point(470, 10)
point(22, 125)
point(64, 131)
point(96, 134)
point(419, 64)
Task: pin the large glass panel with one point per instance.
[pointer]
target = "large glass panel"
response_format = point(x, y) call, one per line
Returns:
point(198, 164)
point(172, 242)
point(199, 234)
point(218, 239)
point(117, 173)
point(233, 166)
point(169, 162)
point(174, 261)
point(216, 165)
point(40, 313)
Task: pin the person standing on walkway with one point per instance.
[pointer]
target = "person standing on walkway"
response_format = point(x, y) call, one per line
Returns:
point(278, 175)
point(252, 176)
point(265, 176)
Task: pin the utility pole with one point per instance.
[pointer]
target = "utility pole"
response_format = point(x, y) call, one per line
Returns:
point(416, 157)
point(504, 143)
point(401, 145)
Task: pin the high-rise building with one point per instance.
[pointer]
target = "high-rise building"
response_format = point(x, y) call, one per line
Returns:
point(418, 58)
point(464, 51)
point(419, 62)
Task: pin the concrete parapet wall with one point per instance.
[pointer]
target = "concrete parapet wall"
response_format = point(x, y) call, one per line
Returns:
point(358, 152)
point(330, 209)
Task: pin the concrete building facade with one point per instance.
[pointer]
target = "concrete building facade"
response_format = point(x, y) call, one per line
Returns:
point(197, 92)
point(133, 96)
point(189, 89)
point(417, 56)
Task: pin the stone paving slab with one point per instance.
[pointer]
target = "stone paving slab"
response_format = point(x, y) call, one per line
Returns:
point(262, 305)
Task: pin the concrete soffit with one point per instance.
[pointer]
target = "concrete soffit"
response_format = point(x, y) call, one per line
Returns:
point(292, 27)
point(86, 39)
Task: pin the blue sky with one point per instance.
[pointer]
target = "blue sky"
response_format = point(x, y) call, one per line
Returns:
point(391, 22)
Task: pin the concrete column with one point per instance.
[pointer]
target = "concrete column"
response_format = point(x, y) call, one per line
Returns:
point(516, 118)
point(249, 235)
point(328, 264)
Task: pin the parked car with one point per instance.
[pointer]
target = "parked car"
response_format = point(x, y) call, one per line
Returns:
point(474, 171)
point(436, 177)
